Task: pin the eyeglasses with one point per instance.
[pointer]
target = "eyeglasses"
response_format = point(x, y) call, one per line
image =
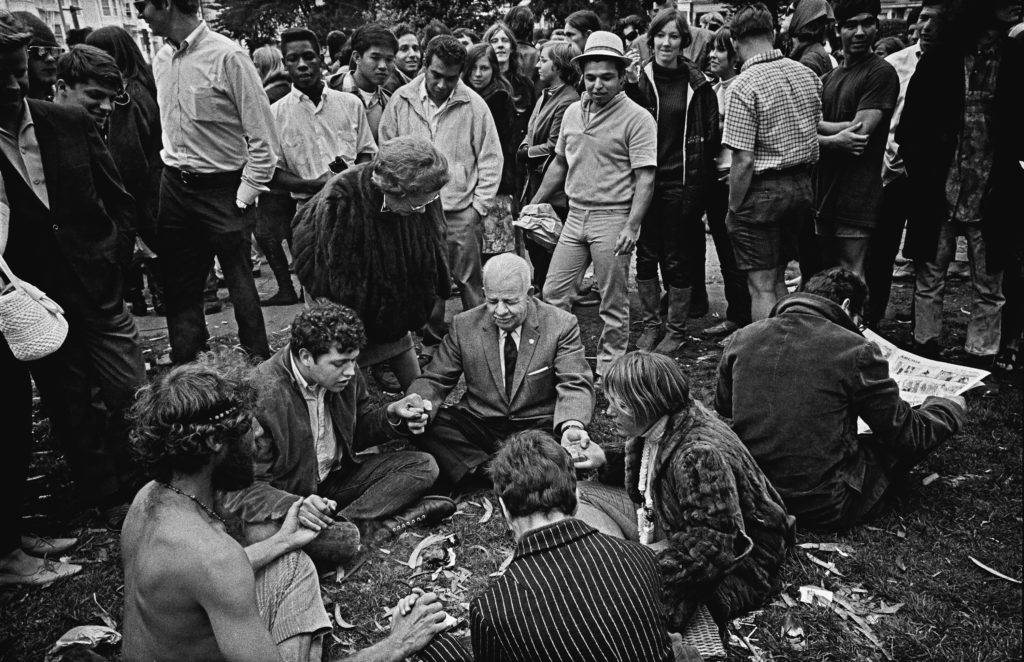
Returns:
point(43, 52)
point(140, 6)
point(419, 208)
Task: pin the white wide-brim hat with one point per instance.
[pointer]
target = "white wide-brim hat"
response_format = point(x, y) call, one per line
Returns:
point(602, 45)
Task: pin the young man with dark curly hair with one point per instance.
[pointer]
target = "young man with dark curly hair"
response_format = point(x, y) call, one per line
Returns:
point(316, 417)
point(191, 591)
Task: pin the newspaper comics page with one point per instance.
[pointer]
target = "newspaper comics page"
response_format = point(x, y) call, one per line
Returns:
point(918, 377)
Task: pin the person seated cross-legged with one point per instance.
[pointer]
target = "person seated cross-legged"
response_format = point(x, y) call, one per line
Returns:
point(524, 368)
point(191, 592)
point(571, 593)
point(317, 416)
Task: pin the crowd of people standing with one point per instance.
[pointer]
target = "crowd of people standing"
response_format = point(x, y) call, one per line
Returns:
point(393, 167)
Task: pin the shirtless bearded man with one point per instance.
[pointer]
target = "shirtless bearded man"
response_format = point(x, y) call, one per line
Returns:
point(191, 591)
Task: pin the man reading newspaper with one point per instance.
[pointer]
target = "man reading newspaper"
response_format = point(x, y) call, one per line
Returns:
point(795, 385)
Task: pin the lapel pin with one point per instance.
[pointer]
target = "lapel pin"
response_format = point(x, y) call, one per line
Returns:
point(531, 341)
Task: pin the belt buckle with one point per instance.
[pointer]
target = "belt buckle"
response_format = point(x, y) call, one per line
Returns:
point(187, 178)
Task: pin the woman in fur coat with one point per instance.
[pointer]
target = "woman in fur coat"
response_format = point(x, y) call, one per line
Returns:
point(373, 239)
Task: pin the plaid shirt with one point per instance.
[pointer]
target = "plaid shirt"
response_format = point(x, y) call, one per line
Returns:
point(773, 111)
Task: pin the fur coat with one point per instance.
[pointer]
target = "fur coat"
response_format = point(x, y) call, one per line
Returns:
point(388, 267)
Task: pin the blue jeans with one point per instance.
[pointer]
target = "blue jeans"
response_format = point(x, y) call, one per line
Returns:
point(590, 235)
point(985, 325)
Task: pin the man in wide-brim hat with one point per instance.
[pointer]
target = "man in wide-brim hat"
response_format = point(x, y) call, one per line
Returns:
point(606, 155)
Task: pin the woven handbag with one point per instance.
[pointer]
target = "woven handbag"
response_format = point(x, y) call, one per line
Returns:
point(32, 323)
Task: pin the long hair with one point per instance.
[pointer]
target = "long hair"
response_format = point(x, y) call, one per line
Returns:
point(120, 45)
point(474, 53)
point(650, 385)
point(268, 61)
point(513, 55)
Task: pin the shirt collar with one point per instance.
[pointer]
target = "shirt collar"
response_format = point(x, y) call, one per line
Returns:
point(551, 536)
point(299, 379)
point(516, 333)
point(193, 38)
point(26, 121)
point(426, 97)
point(768, 56)
point(657, 429)
point(301, 96)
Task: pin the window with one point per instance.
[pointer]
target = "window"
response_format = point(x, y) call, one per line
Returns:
point(128, 10)
point(107, 7)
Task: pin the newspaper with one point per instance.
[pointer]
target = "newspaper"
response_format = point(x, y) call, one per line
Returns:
point(918, 377)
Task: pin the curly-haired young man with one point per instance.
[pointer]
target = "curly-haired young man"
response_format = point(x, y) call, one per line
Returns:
point(191, 591)
point(316, 417)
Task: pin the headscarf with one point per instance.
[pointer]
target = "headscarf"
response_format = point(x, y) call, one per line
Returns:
point(806, 12)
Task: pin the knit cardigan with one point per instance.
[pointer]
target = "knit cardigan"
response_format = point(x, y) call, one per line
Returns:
point(725, 525)
point(388, 267)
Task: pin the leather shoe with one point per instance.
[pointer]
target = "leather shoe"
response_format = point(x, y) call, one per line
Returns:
point(385, 378)
point(429, 511)
point(39, 546)
point(283, 297)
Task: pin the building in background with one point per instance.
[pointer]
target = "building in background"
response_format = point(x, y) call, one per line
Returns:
point(894, 9)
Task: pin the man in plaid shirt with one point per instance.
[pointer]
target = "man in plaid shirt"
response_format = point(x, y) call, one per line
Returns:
point(771, 119)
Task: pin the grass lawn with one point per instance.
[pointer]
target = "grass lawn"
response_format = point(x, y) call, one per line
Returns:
point(907, 576)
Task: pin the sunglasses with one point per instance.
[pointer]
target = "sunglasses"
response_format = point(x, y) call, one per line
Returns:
point(43, 52)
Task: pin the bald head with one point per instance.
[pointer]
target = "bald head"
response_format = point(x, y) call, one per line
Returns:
point(507, 271)
point(507, 289)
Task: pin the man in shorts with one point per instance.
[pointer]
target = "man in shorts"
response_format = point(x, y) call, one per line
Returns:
point(771, 125)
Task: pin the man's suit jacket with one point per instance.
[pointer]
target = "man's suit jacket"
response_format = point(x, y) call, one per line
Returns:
point(286, 462)
point(552, 383)
point(86, 233)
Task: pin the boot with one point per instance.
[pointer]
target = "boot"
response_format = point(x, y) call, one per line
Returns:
point(428, 511)
point(675, 323)
point(650, 303)
point(278, 262)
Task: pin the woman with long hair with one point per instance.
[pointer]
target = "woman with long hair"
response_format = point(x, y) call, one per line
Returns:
point(500, 37)
point(482, 74)
point(693, 493)
point(680, 98)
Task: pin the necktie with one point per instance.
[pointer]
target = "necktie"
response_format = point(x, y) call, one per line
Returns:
point(511, 356)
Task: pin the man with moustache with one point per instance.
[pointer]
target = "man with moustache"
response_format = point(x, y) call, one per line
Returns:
point(191, 591)
point(373, 53)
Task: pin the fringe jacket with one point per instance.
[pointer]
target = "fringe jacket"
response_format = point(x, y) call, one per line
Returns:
point(725, 525)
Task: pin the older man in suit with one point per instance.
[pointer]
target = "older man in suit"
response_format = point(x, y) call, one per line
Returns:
point(524, 368)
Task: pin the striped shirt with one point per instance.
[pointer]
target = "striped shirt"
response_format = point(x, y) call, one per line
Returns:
point(571, 594)
point(772, 109)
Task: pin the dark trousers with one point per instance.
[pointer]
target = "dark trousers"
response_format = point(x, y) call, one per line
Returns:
point(273, 225)
point(195, 225)
point(461, 441)
point(737, 294)
point(380, 485)
point(16, 411)
point(672, 238)
point(101, 352)
point(883, 248)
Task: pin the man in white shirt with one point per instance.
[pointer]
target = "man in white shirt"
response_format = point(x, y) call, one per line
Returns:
point(218, 153)
point(315, 124)
point(373, 54)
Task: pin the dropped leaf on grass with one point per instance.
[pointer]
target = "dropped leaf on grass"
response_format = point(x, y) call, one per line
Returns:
point(816, 595)
point(737, 639)
point(901, 565)
point(89, 636)
point(503, 567)
point(488, 511)
point(384, 551)
point(104, 616)
point(929, 479)
point(993, 571)
point(827, 565)
point(788, 600)
point(844, 609)
point(341, 622)
point(414, 557)
point(889, 609)
point(842, 550)
point(483, 550)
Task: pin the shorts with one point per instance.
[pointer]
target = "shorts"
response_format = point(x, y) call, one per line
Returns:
point(764, 229)
point(832, 229)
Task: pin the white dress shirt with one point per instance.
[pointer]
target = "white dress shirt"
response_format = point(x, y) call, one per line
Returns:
point(311, 136)
point(319, 422)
